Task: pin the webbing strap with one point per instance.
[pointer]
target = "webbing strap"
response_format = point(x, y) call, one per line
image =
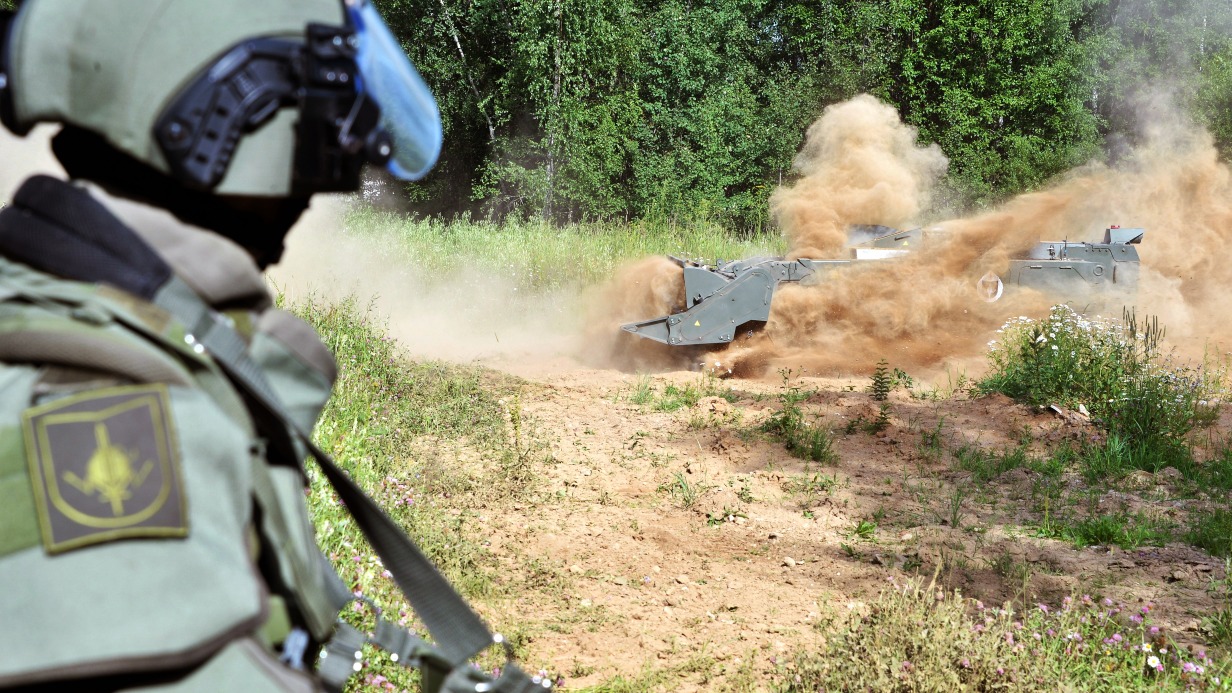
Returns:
point(458, 631)
point(56, 228)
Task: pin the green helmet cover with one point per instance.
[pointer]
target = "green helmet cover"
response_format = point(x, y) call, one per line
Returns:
point(112, 66)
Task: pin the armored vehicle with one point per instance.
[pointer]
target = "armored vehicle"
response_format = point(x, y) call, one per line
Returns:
point(722, 298)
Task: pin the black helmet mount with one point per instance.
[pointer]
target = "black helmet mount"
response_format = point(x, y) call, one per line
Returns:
point(338, 129)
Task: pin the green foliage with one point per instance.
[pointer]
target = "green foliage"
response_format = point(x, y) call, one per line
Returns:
point(673, 397)
point(685, 492)
point(1126, 531)
point(1119, 372)
point(931, 444)
point(1212, 531)
point(535, 256)
point(882, 383)
point(1217, 626)
point(918, 637)
point(380, 406)
point(804, 439)
point(397, 427)
point(580, 109)
point(986, 465)
point(865, 530)
point(810, 486)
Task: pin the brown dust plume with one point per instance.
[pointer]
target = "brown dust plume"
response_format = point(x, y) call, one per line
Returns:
point(861, 165)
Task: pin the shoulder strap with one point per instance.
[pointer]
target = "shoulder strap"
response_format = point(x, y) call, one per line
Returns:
point(458, 631)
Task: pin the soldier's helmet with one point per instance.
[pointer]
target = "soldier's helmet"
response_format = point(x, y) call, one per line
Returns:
point(253, 98)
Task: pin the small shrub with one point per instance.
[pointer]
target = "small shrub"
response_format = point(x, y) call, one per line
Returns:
point(931, 444)
point(882, 383)
point(801, 438)
point(1117, 369)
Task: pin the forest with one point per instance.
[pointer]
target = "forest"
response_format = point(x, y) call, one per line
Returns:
point(571, 110)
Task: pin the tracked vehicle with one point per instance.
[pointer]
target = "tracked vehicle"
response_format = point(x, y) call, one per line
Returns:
point(723, 298)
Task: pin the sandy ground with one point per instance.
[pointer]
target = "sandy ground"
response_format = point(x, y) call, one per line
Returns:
point(617, 575)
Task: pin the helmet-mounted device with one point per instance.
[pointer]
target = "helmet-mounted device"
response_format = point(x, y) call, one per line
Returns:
point(360, 101)
point(340, 94)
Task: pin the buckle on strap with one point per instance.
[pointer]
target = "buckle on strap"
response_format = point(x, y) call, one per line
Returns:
point(341, 657)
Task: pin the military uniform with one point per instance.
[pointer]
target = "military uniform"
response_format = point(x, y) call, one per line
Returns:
point(155, 408)
point(135, 491)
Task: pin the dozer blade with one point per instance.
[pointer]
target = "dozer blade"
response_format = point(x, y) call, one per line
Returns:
point(715, 319)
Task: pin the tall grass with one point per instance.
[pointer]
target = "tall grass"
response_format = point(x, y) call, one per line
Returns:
point(540, 256)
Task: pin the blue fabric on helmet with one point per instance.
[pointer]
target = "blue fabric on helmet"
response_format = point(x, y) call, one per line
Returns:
point(408, 112)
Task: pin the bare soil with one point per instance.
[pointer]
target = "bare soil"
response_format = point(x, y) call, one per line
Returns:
point(617, 571)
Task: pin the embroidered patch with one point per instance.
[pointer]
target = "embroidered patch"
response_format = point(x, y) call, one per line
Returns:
point(105, 466)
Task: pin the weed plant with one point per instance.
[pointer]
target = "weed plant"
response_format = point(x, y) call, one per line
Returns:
point(803, 439)
point(917, 637)
point(1211, 531)
point(986, 465)
point(1217, 626)
point(810, 487)
point(882, 383)
point(1118, 371)
point(1123, 530)
point(685, 492)
point(674, 397)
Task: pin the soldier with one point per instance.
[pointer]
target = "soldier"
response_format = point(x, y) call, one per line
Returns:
point(153, 402)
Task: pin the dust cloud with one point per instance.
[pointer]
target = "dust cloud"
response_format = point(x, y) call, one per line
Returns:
point(859, 161)
point(647, 288)
point(861, 165)
point(470, 314)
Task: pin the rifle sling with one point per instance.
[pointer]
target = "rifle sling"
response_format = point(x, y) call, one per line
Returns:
point(458, 631)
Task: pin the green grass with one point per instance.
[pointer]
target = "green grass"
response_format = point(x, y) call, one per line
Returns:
point(536, 256)
point(806, 440)
point(429, 442)
point(1211, 531)
point(986, 465)
point(918, 637)
point(686, 492)
point(673, 397)
point(1123, 530)
point(383, 408)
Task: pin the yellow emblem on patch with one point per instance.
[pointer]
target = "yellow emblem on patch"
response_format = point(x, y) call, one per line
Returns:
point(105, 466)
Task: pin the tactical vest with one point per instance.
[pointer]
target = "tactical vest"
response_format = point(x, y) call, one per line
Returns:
point(153, 529)
point(143, 527)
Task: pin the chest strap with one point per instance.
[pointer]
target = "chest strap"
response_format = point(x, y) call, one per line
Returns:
point(61, 230)
point(458, 631)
